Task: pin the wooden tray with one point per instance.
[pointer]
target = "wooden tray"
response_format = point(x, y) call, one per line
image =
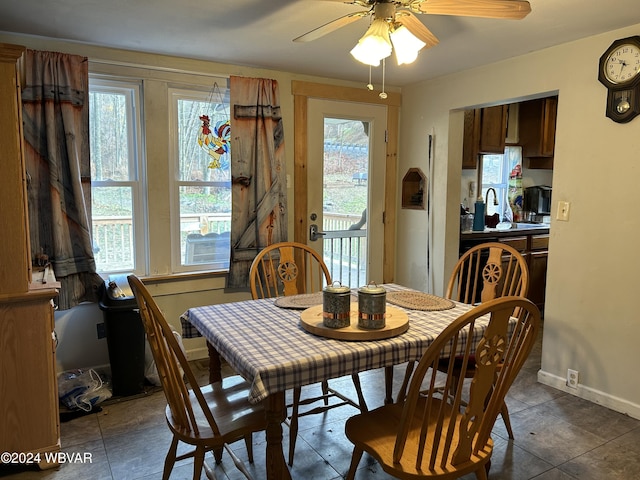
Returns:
point(397, 322)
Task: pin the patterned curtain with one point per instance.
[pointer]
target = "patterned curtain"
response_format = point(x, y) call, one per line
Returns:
point(56, 131)
point(258, 190)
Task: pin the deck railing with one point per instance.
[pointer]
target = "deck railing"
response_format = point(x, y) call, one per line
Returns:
point(344, 249)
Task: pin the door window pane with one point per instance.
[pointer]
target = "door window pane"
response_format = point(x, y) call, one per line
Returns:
point(345, 194)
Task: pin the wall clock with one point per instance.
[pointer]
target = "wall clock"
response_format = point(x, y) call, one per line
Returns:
point(619, 71)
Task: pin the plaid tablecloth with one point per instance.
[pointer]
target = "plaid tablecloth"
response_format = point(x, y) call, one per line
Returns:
point(268, 347)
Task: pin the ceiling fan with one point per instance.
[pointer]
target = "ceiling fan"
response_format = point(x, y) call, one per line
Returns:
point(393, 14)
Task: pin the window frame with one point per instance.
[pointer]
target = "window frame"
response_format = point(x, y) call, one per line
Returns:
point(133, 92)
point(502, 188)
point(176, 93)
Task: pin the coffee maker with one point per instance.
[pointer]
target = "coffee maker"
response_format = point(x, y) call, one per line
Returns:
point(537, 202)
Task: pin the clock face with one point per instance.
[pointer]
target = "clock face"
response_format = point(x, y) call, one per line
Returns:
point(622, 64)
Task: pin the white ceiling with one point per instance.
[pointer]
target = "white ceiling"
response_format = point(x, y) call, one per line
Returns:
point(259, 33)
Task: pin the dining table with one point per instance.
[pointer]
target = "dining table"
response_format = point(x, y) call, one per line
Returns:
point(269, 343)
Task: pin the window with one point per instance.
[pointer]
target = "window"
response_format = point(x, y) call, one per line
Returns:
point(195, 162)
point(117, 203)
point(201, 193)
point(496, 170)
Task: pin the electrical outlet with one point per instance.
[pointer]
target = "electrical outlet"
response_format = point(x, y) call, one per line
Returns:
point(102, 332)
point(572, 378)
point(563, 211)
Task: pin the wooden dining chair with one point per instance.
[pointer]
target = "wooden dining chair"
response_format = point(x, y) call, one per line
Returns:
point(291, 268)
point(208, 418)
point(287, 268)
point(485, 272)
point(433, 433)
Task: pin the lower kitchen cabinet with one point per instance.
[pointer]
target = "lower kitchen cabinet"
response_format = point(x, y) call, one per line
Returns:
point(28, 384)
point(535, 250)
point(538, 254)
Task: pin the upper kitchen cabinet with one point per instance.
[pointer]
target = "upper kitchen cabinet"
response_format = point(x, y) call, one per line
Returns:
point(493, 129)
point(471, 140)
point(537, 125)
point(484, 132)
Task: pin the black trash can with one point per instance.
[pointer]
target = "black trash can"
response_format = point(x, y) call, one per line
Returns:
point(125, 336)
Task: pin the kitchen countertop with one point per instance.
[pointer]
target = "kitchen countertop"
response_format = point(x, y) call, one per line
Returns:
point(522, 229)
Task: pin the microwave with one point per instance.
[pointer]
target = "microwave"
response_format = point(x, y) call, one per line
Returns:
point(538, 199)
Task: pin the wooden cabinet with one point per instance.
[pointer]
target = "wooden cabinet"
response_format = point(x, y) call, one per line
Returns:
point(28, 384)
point(471, 139)
point(493, 129)
point(535, 250)
point(538, 254)
point(485, 130)
point(14, 242)
point(518, 243)
point(537, 124)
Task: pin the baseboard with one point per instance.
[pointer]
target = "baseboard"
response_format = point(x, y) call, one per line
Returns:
point(100, 369)
point(596, 396)
point(197, 353)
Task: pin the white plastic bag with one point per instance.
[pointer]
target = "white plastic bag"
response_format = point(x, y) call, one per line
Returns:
point(82, 389)
point(150, 370)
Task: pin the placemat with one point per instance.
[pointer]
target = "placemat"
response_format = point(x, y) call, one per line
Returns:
point(299, 302)
point(303, 301)
point(419, 301)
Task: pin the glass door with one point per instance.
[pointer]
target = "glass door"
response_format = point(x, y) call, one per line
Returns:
point(345, 188)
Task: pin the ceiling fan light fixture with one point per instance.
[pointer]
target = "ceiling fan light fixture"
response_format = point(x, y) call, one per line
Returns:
point(406, 45)
point(374, 45)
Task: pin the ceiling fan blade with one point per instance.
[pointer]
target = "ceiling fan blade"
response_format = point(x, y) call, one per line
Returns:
point(415, 26)
point(509, 9)
point(333, 25)
point(362, 3)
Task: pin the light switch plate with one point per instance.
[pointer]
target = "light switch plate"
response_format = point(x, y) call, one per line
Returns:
point(563, 211)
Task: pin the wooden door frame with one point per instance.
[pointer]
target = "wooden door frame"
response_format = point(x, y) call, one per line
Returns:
point(302, 91)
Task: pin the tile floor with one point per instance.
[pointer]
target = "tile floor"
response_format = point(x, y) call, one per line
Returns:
point(558, 437)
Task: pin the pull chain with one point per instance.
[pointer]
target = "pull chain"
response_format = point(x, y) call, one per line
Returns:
point(383, 94)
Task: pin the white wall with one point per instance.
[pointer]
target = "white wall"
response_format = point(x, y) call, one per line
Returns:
point(78, 343)
point(591, 319)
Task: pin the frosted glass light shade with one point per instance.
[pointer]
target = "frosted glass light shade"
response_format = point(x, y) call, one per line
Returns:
point(406, 45)
point(374, 45)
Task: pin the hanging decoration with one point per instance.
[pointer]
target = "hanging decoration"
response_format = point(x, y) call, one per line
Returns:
point(216, 140)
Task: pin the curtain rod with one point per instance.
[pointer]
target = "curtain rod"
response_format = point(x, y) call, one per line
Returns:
point(116, 63)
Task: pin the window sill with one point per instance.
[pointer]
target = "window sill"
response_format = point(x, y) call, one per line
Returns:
point(185, 276)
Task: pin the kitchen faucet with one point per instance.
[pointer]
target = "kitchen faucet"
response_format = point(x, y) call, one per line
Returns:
point(495, 197)
point(491, 220)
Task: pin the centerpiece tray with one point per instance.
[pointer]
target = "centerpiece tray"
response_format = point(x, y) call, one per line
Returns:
point(397, 322)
